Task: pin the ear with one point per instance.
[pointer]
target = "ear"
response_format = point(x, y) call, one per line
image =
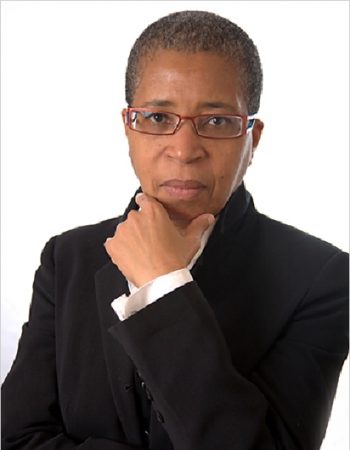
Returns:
point(256, 132)
point(124, 117)
point(256, 135)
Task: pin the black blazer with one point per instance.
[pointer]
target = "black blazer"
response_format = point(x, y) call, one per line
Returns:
point(246, 357)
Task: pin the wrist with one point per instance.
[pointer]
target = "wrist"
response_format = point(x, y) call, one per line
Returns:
point(150, 275)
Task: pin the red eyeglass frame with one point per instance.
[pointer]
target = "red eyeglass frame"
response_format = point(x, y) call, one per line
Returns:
point(245, 121)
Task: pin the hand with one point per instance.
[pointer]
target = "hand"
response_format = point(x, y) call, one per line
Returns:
point(148, 244)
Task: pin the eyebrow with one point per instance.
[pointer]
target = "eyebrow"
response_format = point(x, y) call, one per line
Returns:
point(158, 102)
point(216, 105)
point(208, 104)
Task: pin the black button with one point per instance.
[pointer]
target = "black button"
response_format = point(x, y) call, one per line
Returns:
point(159, 417)
point(147, 391)
point(148, 395)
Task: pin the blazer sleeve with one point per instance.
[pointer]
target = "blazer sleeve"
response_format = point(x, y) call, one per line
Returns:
point(205, 403)
point(31, 416)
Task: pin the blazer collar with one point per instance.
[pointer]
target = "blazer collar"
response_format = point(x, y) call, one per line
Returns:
point(226, 229)
point(234, 210)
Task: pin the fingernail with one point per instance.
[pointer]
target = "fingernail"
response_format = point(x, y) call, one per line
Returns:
point(211, 219)
point(105, 242)
point(139, 196)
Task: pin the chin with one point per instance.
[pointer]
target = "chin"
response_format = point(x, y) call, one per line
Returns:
point(182, 214)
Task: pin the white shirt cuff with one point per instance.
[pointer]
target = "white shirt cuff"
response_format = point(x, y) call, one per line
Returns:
point(125, 306)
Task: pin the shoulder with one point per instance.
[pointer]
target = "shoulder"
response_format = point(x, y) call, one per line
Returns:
point(89, 234)
point(282, 238)
point(296, 255)
point(81, 243)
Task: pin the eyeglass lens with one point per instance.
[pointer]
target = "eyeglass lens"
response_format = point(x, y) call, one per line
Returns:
point(166, 123)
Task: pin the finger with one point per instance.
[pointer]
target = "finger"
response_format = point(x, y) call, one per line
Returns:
point(107, 244)
point(145, 201)
point(115, 231)
point(199, 225)
point(141, 198)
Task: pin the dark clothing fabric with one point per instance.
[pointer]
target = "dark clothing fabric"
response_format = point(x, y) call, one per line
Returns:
point(245, 357)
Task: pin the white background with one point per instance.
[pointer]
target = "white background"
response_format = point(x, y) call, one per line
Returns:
point(65, 159)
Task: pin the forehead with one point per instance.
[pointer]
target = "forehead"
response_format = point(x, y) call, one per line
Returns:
point(189, 79)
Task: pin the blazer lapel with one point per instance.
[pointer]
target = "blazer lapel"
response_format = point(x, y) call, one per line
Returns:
point(223, 274)
point(110, 284)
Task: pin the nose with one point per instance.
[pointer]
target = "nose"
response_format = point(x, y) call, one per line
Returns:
point(185, 146)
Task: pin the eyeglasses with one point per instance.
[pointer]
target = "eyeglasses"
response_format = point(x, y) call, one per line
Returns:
point(211, 126)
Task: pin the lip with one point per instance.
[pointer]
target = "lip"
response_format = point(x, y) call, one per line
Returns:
point(183, 189)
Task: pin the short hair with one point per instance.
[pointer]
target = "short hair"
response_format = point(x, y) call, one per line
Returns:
point(197, 31)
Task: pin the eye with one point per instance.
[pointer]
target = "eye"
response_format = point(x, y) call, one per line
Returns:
point(157, 117)
point(217, 121)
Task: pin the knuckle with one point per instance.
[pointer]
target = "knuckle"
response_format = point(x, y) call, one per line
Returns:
point(132, 216)
point(118, 229)
point(109, 246)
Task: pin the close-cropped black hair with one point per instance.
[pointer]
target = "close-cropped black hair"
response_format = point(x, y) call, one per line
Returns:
point(198, 31)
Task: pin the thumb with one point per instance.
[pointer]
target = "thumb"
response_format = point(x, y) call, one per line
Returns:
point(199, 225)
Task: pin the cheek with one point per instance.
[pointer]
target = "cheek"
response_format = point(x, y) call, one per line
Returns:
point(231, 168)
point(227, 167)
point(135, 159)
point(143, 166)
point(136, 154)
point(146, 156)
